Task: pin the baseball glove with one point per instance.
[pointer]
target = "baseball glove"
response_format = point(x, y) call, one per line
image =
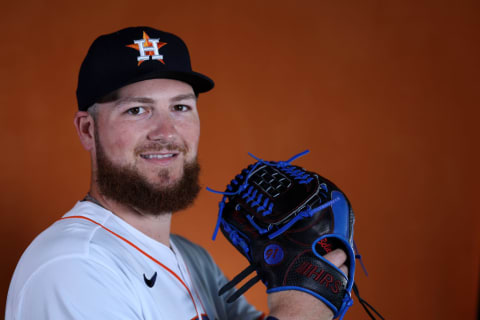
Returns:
point(283, 219)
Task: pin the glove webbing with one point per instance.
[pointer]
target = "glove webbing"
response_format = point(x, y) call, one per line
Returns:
point(239, 277)
point(281, 164)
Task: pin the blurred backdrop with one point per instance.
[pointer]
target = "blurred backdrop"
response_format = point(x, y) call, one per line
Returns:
point(385, 94)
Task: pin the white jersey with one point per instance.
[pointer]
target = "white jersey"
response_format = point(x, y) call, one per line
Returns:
point(93, 265)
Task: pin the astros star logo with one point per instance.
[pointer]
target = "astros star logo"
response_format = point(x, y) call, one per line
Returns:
point(148, 48)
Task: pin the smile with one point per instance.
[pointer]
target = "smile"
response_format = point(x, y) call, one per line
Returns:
point(158, 156)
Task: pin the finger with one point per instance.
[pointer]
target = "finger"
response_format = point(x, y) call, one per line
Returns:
point(336, 257)
point(344, 269)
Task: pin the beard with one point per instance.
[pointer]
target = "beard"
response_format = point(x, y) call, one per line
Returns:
point(125, 185)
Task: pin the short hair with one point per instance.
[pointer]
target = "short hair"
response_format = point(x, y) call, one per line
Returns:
point(93, 111)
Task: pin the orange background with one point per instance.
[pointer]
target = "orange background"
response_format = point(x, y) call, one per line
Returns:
point(385, 94)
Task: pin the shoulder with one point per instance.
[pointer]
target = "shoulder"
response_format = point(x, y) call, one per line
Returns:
point(66, 237)
point(71, 284)
point(192, 252)
point(208, 278)
point(199, 261)
point(185, 244)
point(72, 260)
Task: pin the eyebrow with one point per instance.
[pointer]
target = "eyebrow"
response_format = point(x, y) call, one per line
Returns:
point(177, 98)
point(184, 97)
point(133, 99)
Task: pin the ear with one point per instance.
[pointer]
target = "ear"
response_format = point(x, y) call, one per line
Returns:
point(84, 124)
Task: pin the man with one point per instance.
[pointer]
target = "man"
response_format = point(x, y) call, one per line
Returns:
point(112, 256)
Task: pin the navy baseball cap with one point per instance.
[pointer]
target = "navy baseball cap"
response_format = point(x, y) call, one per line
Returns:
point(131, 55)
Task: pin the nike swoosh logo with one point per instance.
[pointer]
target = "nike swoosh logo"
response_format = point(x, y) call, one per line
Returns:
point(150, 282)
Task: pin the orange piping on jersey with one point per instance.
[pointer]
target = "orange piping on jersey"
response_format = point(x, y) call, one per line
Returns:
point(196, 292)
point(141, 251)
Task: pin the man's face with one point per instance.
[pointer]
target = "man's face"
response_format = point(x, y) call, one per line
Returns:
point(145, 141)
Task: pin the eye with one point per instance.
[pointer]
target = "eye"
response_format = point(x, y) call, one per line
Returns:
point(136, 111)
point(181, 107)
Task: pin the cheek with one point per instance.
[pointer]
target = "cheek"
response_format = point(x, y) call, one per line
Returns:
point(191, 133)
point(117, 142)
point(195, 135)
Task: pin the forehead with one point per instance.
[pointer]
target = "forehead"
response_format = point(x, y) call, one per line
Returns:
point(155, 88)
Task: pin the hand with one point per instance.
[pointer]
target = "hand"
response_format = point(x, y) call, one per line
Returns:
point(299, 305)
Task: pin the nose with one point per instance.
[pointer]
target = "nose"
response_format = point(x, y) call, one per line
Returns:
point(162, 129)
